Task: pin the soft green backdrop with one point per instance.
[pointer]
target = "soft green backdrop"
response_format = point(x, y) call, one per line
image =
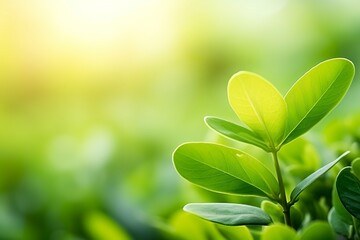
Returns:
point(96, 95)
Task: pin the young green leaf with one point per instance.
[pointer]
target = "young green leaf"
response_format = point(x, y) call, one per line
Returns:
point(229, 214)
point(279, 232)
point(315, 94)
point(274, 210)
point(223, 169)
point(234, 232)
point(311, 178)
point(259, 105)
point(235, 132)
point(348, 187)
point(318, 230)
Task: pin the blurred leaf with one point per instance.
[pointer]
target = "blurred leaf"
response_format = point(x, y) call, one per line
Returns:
point(348, 188)
point(100, 226)
point(278, 232)
point(222, 169)
point(319, 231)
point(300, 152)
point(259, 105)
point(315, 94)
point(235, 132)
point(234, 232)
point(229, 214)
point(339, 207)
point(189, 227)
point(297, 216)
point(274, 210)
point(311, 178)
point(339, 226)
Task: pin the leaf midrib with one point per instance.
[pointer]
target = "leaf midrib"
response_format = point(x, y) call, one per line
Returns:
point(258, 115)
point(308, 112)
point(229, 174)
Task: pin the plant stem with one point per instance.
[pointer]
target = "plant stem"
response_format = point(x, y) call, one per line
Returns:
point(283, 201)
point(356, 228)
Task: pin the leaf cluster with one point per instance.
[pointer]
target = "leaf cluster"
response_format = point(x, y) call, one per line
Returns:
point(270, 121)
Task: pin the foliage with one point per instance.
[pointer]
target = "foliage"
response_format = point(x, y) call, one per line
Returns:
point(344, 216)
point(271, 121)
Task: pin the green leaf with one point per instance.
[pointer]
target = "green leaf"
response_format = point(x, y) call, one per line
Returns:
point(279, 232)
point(234, 232)
point(185, 226)
point(229, 214)
point(341, 212)
point(223, 169)
point(318, 230)
point(311, 178)
point(101, 226)
point(348, 187)
point(235, 132)
point(315, 94)
point(259, 105)
point(274, 210)
point(338, 224)
point(355, 167)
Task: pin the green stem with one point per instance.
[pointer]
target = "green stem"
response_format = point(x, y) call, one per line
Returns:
point(356, 227)
point(283, 201)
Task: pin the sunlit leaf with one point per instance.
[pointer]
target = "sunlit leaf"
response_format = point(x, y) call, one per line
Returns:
point(234, 232)
point(229, 214)
point(318, 230)
point(223, 169)
point(259, 105)
point(279, 232)
point(101, 226)
point(315, 94)
point(235, 132)
point(348, 188)
point(185, 226)
point(274, 210)
point(311, 178)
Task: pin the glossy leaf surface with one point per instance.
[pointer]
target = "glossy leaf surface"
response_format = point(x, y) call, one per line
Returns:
point(229, 213)
point(223, 169)
point(315, 94)
point(348, 188)
point(235, 132)
point(311, 178)
point(259, 105)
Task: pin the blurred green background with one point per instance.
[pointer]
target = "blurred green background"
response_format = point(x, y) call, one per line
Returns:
point(95, 96)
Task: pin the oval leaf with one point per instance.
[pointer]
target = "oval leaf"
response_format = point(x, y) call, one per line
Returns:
point(235, 132)
point(222, 169)
point(312, 177)
point(315, 94)
point(259, 105)
point(279, 232)
point(318, 230)
point(348, 188)
point(229, 214)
